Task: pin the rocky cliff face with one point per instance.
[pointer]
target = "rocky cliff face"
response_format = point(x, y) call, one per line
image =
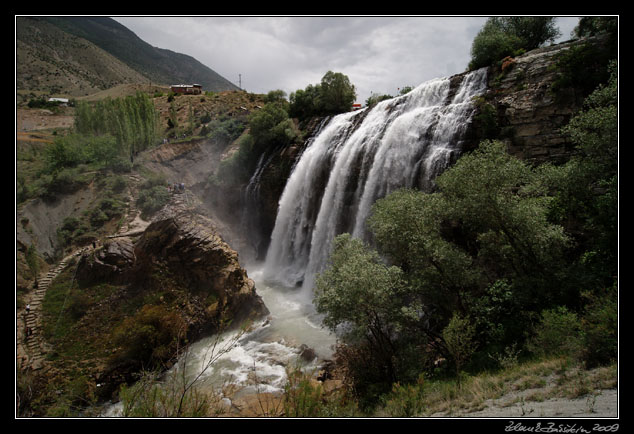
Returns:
point(524, 109)
point(180, 252)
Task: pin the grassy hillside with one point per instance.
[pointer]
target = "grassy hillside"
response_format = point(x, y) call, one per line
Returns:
point(159, 65)
point(52, 61)
point(79, 56)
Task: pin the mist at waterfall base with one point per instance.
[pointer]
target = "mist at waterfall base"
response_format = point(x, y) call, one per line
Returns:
point(354, 159)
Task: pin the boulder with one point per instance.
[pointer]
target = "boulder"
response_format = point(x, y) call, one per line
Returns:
point(187, 247)
point(306, 353)
point(112, 262)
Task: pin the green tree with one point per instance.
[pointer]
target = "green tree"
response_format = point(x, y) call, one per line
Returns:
point(67, 151)
point(505, 36)
point(600, 327)
point(359, 291)
point(586, 199)
point(132, 121)
point(591, 26)
point(481, 246)
point(276, 96)
point(337, 93)
point(305, 103)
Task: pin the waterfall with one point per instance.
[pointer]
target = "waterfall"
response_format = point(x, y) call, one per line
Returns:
point(359, 157)
point(251, 218)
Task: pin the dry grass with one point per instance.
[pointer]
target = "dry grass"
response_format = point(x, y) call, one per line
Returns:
point(527, 382)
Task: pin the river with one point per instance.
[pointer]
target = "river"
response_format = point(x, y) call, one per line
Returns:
point(256, 360)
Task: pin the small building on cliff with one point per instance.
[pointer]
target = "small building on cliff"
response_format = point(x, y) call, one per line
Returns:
point(191, 89)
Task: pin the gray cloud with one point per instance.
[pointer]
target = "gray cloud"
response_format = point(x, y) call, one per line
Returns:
point(378, 54)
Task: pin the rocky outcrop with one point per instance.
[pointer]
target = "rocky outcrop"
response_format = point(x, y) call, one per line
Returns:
point(187, 246)
point(180, 252)
point(523, 108)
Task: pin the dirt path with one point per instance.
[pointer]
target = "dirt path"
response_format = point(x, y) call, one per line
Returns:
point(601, 404)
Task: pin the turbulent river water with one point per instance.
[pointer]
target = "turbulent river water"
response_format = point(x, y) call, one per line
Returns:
point(355, 159)
point(257, 360)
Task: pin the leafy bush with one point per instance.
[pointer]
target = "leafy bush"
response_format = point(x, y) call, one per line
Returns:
point(32, 260)
point(118, 184)
point(599, 325)
point(270, 125)
point(374, 99)
point(66, 232)
point(405, 400)
point(459, 339)
point(557, 333)
point(486, 119)
point(150, 398)
point(44, 103)
point(302, 398)
point(105, 210)
point(582, 67)
point(153, 199)
point(224, 130)
point(66, 180)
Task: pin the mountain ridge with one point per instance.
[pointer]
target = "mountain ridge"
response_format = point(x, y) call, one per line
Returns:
point(88, 45)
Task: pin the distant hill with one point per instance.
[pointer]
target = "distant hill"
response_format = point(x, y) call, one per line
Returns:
point(78, 56)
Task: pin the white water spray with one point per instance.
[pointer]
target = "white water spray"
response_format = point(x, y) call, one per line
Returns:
point(402, 142)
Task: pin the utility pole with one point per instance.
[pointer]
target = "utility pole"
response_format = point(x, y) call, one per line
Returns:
point(240, 81)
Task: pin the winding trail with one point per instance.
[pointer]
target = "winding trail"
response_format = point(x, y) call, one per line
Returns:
point(31, 347)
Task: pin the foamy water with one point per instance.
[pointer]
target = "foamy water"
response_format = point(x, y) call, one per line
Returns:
point(258, 360)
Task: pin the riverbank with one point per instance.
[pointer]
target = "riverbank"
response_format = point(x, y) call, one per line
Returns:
point(536, 389)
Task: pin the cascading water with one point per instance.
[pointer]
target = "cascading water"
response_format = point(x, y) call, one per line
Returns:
point(355, 159)
point(251, 218)
point(402, 142)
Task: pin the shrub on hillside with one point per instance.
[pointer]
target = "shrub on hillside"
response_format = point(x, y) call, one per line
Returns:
point(67, 180)
point(150, 335)
point(152, 199)
point(599, 325)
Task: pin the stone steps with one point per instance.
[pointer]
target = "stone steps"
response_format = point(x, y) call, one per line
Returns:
point(32, 344)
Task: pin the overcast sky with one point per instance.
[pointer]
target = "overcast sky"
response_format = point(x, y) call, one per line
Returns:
point(378, 54)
